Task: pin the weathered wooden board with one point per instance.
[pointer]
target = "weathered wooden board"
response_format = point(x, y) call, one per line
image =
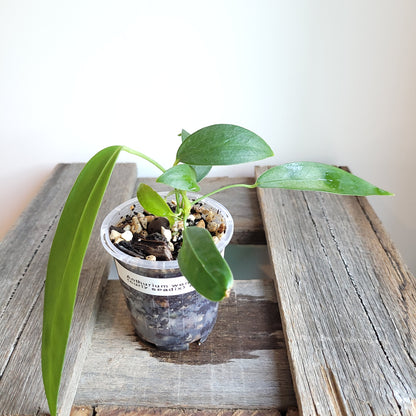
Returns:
point(146, 411)
point(241, 202)
point(243, 364)
point(347, 302)
point(23, 259)
point(82, 411)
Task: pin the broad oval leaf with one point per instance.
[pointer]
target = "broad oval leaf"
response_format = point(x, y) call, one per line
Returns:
point(152, 202)
point(181, 177)
point(200, 170)
point(65, 262)
point(223, 144)
point(312, 176)
point(202, 264)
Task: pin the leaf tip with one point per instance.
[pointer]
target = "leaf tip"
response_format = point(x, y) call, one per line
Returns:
point(386, 193)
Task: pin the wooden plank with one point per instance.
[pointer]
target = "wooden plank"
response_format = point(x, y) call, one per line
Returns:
point(23, 259)
point(347, 304)
point(82, 411)
point(146, 411)
point(18, 253)
point(164, 411)
point(243, 363)
point(241, 202)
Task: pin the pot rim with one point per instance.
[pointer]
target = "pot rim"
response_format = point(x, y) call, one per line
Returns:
point(123, 209)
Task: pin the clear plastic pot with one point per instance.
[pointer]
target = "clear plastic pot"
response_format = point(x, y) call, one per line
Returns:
point(165, 309)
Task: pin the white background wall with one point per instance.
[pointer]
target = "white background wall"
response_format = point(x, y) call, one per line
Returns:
point(324, 80)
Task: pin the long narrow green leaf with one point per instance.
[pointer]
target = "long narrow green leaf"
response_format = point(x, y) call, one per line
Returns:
point(65, 261)
point(312, 176)
point(222, 144)
point(202, 264)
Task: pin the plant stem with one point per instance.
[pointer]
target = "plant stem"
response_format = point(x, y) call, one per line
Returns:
point(186, 206)
point(241, 185)
point(142, 155)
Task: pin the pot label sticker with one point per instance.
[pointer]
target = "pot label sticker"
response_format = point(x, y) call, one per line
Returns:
point(163, 287)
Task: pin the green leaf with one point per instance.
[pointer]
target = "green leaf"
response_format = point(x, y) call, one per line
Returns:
point(202, 264)
point(152, 202)
point(65, 261)
point(200, 171)
point(181, 177)
point(222, 144)
point(312, 176)
point(184, 135)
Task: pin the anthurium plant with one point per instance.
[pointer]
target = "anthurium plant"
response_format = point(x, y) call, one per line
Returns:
point(199, 260)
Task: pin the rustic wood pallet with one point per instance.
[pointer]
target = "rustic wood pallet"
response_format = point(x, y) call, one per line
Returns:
point(347, 302)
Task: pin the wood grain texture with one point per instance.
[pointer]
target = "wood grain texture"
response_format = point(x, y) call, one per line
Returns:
point(243, 364)
point(241, 202)
point(23, 259)
point(177, 411)
point(347, 302)
point(82, 411)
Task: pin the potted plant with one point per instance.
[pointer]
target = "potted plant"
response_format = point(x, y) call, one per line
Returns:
point(199, 259)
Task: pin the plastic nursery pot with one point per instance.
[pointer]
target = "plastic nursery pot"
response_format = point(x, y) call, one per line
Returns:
point(165, 309)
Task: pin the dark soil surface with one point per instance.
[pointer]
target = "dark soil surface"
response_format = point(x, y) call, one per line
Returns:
point(143, 235)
